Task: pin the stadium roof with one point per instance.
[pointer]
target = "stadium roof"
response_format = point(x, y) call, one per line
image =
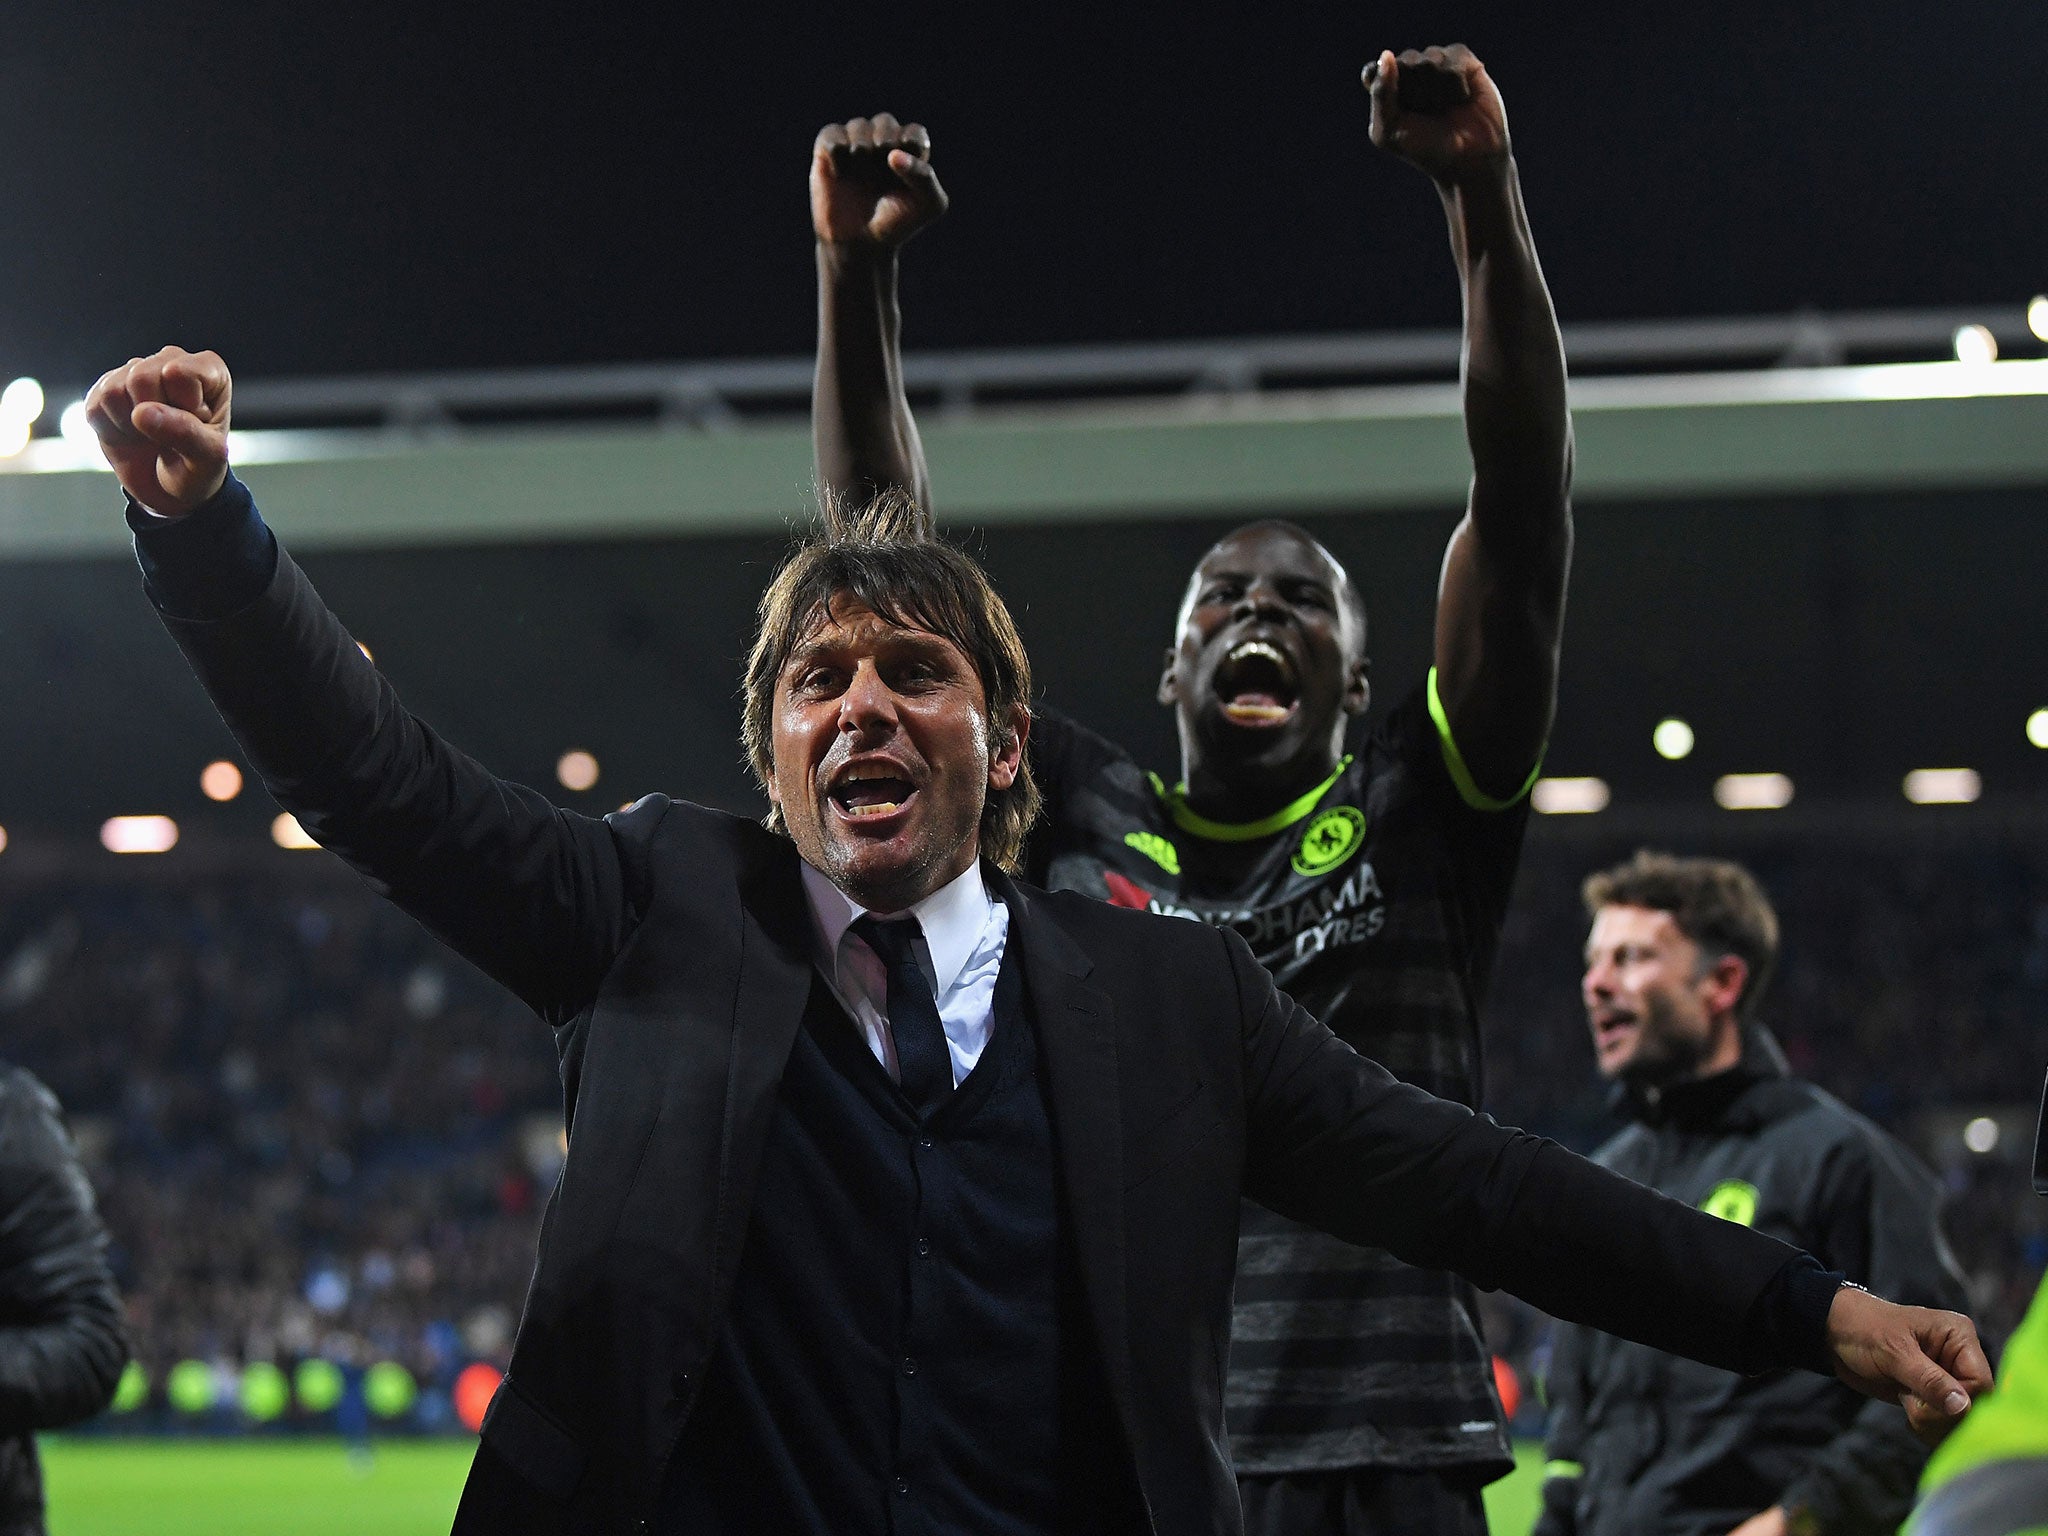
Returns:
point(1802, 403)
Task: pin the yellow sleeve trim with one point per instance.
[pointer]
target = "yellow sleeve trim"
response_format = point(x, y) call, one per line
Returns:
point(1562, 1469)
point(1454, 761)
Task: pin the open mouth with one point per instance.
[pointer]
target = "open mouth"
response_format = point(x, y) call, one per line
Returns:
point(1257, 685)
point(870, 792)
point(1611, 1030)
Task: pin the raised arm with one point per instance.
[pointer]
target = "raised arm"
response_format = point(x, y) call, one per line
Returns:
point(872, 188)
point(1500, 608)
point(539, 897)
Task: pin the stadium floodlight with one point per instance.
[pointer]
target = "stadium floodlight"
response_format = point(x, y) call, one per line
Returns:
point(220, 781)
point(138, 834)
point(1943, 786)
point(318, 1385)
point(1981, 1135)
point(577, 770)
point(1752, 791)
point(389, 1389)
point(286, 832)
point(1569, 797)
point(22, 401)
point(190, 1386)
point(132, 1390)
point(265, 1394)
point(2037, 727)
point(2037, 315)
point(76, 430)
point(1673, 739)
point(1975, 344)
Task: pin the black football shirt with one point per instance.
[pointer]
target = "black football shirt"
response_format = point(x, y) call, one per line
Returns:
point(1375, 901)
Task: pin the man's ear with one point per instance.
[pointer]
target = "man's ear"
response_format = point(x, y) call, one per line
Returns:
point(1722, 985)
point(1006, 755)
point(1357, 687)
point(1169, 693)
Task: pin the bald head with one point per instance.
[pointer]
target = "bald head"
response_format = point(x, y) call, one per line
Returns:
point(1246, 549)
point(1267, 665)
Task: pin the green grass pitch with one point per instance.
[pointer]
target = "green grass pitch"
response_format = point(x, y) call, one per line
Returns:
point(251, 1488)
point(310, 1488)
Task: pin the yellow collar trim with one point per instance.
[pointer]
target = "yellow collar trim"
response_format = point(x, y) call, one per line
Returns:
point(1176, 800)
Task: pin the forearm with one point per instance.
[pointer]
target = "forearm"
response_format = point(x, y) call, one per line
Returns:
point(1587, 1245)
point(1500, 610)
point(863, 433)
point(1516, 421)
point(1337, 1143)
point(534, 895)
point(1441, 1188)
point(295, 689)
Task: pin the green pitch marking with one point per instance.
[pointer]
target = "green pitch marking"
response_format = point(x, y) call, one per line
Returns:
point(243, 1488)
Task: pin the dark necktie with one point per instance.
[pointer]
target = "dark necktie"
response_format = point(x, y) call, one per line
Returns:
point(924, 1067)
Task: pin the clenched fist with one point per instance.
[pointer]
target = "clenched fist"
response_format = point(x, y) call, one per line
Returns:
point(1437, 109)
point(1928, 1362)
point(162, 422)
point(872, 182)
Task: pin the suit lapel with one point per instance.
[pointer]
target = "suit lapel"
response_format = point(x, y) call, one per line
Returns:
point(1076, 1027)
point(775, 977)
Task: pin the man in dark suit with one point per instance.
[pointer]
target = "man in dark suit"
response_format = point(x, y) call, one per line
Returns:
point(900, 1196)
point(1360, 865)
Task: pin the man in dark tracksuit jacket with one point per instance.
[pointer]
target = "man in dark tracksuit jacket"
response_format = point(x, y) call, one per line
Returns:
point(1642, 1442)
point(61, 1342)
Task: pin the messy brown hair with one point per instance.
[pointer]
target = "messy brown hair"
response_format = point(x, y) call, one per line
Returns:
point(885, 555)
point(1715, 902)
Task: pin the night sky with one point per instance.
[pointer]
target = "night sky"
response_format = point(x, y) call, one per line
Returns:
point(333, 188)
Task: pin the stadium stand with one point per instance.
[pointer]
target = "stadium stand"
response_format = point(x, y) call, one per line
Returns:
point(320, 1137)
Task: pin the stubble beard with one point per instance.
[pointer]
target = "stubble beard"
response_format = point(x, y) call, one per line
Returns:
point(899, 885)
point(1666, 1052)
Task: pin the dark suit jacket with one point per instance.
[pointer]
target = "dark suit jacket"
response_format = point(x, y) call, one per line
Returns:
point(669, 947)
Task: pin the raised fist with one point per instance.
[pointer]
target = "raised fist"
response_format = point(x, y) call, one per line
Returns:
point(1437, 109)
point(872, 182)
point(162, 422)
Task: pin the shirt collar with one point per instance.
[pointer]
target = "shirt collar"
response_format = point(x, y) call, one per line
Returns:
point(952, 919)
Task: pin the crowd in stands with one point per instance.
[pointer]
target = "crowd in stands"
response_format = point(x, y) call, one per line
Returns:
point(316, 1134)
point(311, 1128)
